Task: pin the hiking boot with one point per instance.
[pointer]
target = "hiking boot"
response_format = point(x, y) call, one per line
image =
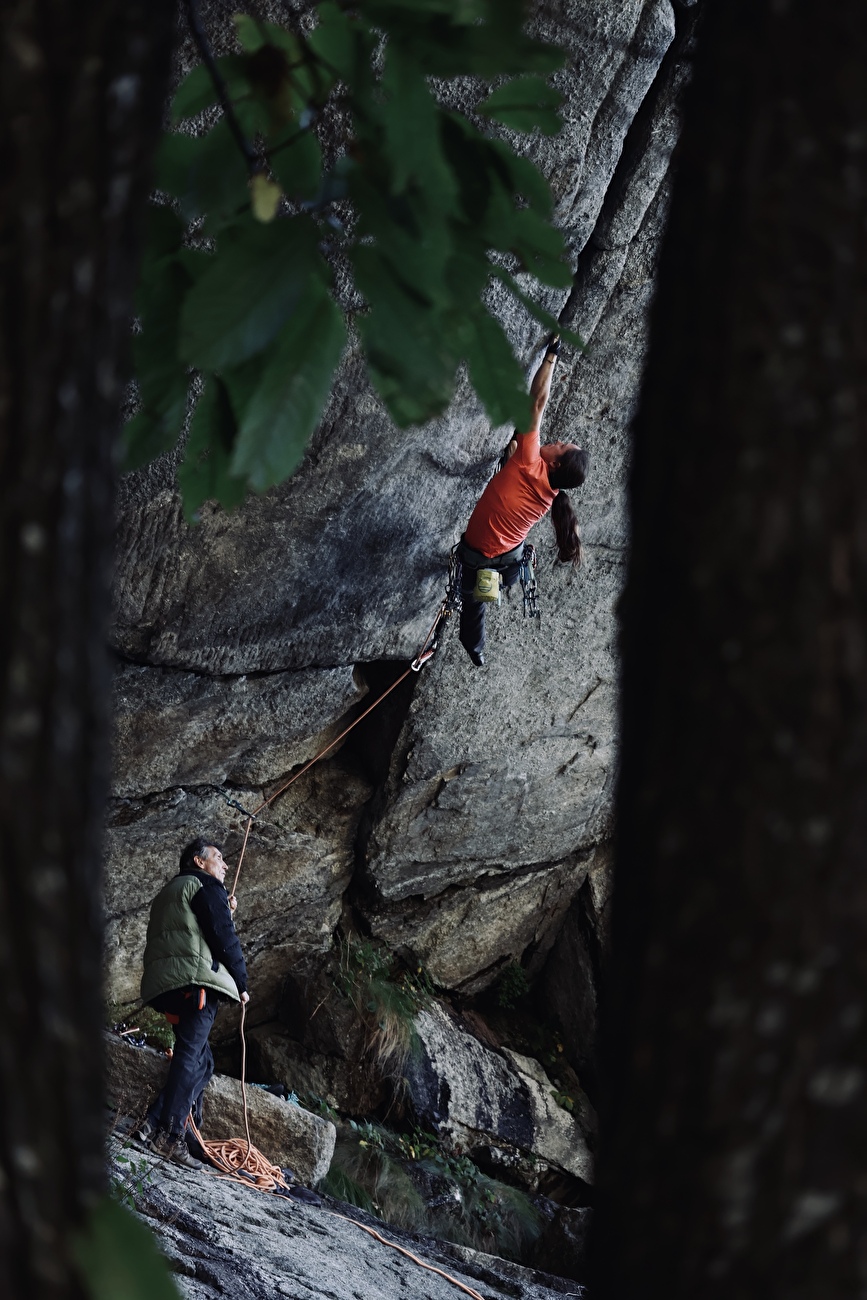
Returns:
point(174, 1149)
point(195, 1148)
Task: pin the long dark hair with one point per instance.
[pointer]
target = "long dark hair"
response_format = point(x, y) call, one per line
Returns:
point(569, 471)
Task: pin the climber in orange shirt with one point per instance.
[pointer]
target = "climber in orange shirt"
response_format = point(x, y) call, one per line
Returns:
point(529, 485)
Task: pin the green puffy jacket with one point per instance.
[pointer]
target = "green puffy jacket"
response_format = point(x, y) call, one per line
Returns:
point(177, 953)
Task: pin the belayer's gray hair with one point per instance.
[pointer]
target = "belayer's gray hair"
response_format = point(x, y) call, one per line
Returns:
point(195, 849)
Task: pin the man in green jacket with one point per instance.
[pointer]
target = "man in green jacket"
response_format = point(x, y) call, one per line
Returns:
point(192, 962)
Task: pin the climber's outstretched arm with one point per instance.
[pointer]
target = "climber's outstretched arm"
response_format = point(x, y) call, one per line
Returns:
point(540, 388)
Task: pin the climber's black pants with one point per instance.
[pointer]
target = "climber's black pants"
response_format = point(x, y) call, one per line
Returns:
point(192, 1062)
point(472, 631)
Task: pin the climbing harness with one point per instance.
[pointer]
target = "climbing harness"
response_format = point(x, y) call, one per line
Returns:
point(529, 587)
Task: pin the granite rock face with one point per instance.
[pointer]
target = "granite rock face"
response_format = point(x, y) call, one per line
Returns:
point(181, 729)
point(222, 1239)
point(499, 1101)
point(466, 823)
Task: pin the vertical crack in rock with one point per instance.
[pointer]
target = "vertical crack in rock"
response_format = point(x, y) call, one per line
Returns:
point(640, 172)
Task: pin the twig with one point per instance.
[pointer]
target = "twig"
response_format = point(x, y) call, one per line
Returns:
point(198, 32)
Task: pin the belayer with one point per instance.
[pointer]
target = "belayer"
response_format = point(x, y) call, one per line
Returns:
point(192, 962)
point(530, 483)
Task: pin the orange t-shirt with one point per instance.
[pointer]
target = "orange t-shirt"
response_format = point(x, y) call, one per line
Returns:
point(512, 502)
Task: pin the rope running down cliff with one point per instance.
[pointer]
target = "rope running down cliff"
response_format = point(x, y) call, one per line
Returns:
point(426, 652)
point(242, 1162)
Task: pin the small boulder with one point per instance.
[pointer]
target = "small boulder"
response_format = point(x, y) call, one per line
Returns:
point(496, 1100)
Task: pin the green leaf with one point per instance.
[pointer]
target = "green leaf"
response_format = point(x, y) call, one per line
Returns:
point(161, 375)
point(146, 436)
point(296, 380)
point(253, 33)
point(164, 233)
point(118, 1258)
point(524, 104)
point(539, 313)
point(541, 248)
point(204, 473)
point(495, 374)
point(412, 354)
point(255, 283)
point(416, 246)
point(523, 176)
point(197, 91)
point(468, 271)
point(412, 140)
point(333, 40)
point(242, 381)
point(297, 165)
point(207, 174)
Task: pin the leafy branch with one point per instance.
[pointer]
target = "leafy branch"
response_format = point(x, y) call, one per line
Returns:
point(202, 45)
point(235, 286)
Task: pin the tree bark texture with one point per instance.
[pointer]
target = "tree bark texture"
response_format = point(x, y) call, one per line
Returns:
point(734, 1162)
point(82, 91)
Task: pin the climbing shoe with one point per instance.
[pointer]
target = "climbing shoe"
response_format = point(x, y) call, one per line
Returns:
point(174, 1149)
point(487, 588)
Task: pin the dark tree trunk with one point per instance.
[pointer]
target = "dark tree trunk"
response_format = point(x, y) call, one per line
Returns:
point(82, 89)
point(735, 1158)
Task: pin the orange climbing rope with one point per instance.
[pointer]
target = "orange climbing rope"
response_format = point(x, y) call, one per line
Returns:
point(235, 1158)
point(415, 1259)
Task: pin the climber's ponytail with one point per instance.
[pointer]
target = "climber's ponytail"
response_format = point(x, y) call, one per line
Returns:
point(569, 548)
point(568, 471)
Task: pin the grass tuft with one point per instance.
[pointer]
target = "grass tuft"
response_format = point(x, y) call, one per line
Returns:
point(379, 1171)
point(387, 998)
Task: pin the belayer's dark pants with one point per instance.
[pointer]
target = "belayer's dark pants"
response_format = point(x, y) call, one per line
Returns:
point(192, 1062)
point(472, 628)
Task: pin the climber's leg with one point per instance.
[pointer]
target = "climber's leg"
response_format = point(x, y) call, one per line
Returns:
point(472, 630)
point(510, 575)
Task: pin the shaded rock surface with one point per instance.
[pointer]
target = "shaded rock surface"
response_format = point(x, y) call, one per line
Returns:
point(285, 1133)
point(174, 728)
point(222, 1239)
point(562, 1247)
point(501, 1101)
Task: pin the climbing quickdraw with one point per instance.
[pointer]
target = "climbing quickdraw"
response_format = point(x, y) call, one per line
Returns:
point(451, 605)
point(529, 586)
